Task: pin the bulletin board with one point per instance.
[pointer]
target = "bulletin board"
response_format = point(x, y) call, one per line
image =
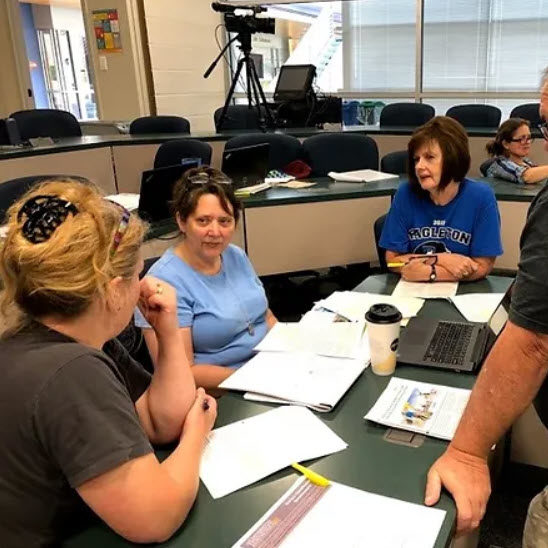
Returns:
point(107, 30)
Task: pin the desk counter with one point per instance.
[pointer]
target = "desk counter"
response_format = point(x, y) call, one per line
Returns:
point(369, 463)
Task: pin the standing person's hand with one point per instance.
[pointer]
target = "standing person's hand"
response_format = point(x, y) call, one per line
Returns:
point(158, 303)
point(201, 417)
point(466, 477)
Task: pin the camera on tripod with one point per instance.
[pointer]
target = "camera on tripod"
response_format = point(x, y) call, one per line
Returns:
point(247, 24)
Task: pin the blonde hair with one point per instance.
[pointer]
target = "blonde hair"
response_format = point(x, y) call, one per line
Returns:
point(64, 274)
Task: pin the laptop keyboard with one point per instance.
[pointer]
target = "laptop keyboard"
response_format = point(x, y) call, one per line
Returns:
point(449, 343)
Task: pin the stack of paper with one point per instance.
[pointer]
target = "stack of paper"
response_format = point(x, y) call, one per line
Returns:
point(247, 190)
point(353, 304)
point(361, 176)
point(477, 307)
point(429, 409)
point(318, 382)
point(426, 290)
point(248, 450)
point(338, 339)
point(338, 515)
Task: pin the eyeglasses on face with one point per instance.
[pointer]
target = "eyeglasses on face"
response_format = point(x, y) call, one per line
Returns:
point(544, 130)
point(525, 140)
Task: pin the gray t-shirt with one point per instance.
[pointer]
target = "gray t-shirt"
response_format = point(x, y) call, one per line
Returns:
point(529, 308)
point(67, 415)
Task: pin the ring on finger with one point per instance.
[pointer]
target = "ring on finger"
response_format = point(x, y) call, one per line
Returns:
point(159, 289)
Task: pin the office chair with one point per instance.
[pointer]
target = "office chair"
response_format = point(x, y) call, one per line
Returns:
point(237, 117)
point(377, 229)
point(12, 190)
point(159, 124)
point(476, 115)
point(527, 111)
point(46, 123)
point(340, 152)
point(284, 149)
point(171, 153)
point(395, 162)
point(486, 165)
point(406, 114)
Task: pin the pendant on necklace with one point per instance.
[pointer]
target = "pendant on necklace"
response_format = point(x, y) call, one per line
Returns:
point(250, 329)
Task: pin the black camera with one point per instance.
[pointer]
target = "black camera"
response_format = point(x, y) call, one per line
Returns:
point(246, 24)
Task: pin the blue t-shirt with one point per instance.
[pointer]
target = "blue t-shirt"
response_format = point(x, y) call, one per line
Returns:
point(218, 308)
point(469, 224)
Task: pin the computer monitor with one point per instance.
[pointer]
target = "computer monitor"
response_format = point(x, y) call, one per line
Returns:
point(294, 82)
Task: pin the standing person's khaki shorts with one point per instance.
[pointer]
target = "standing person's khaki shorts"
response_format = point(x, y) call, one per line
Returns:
point(535, 534)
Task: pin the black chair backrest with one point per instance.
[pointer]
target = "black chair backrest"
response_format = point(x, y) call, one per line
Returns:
point(46, 123)
point(395, 162)
point(159, 124)
point(171, 153)
point(12, 190)
point(377, 229)
point(284, 149)
point(237, 117)
point(406, 114)
point(340, 152)
point(527, 111)
point(476, 115)
point(486, 165)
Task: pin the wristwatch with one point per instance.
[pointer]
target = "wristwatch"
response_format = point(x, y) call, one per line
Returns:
point(433, 275)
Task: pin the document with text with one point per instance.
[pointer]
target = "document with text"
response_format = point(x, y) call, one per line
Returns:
point(429, 409)
point(248, 450)
point(318, 382)
point(338, 515)
point(426, 290)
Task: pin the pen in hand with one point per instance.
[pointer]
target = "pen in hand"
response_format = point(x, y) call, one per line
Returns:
point(395, 265)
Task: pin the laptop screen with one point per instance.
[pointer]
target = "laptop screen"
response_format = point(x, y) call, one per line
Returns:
point(500, 315)
point(247, 166)
point(157, 190)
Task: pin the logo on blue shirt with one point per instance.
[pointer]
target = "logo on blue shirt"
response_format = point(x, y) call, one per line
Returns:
point(440, 233)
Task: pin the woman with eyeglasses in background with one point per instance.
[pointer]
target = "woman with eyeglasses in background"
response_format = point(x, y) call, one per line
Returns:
point(221, 304)
point(510, 150)
point(77, 414)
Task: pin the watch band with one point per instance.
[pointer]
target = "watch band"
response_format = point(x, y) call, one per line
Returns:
point(433, 274)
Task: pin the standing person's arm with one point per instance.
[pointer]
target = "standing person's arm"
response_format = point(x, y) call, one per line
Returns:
point(164, 405)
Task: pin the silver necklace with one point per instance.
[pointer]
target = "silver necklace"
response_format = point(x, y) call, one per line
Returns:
point(245, 316)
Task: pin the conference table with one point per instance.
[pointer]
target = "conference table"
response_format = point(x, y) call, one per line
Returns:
point(370, 462)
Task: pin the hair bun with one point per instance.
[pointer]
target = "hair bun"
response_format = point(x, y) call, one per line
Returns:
point(44, 215)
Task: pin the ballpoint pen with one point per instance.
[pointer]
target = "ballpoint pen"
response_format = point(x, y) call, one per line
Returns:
point(313, 477)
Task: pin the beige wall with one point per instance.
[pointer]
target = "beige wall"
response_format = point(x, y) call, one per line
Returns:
point(10, 99)
point(182, 45)
point(121, 89)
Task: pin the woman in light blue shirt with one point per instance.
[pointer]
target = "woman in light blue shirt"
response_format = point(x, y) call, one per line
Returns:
point(221, 304)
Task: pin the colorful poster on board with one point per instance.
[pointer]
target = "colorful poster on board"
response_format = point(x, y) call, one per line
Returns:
point(107, 30)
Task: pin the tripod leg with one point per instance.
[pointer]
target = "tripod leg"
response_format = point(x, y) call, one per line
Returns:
point(259, 94)
point(231, 92)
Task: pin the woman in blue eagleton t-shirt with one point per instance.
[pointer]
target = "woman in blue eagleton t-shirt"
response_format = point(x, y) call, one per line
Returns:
point(221, 304)
point(441, 226)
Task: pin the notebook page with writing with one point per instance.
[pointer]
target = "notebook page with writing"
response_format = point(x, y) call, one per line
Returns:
point(426, 290)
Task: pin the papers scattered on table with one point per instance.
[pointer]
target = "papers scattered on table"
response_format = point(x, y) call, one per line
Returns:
point(297, 184)
point(353, 305)
point(477, 307)
point(361, 176)
point(338, 339)
point(429, 409)
point(318, 382)
point(128, 200)
point(251, 449)
point(338, 515)
point(426, 290)
point(253, 189)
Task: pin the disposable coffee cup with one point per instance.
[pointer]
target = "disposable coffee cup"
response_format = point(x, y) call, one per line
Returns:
point(383, 331)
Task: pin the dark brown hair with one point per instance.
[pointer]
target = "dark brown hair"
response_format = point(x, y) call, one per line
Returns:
point(453, 142)
point(187, 192)
point(505, 133)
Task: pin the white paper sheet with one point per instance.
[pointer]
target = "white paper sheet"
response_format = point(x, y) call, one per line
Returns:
point(318, 382)
point(477, 307)
point(343, 516)
point(353, 304)
point(425, 408)
point(425, 290)
point(248, 450)
point(361, 176)
point(128, 200)
point(338, 339)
